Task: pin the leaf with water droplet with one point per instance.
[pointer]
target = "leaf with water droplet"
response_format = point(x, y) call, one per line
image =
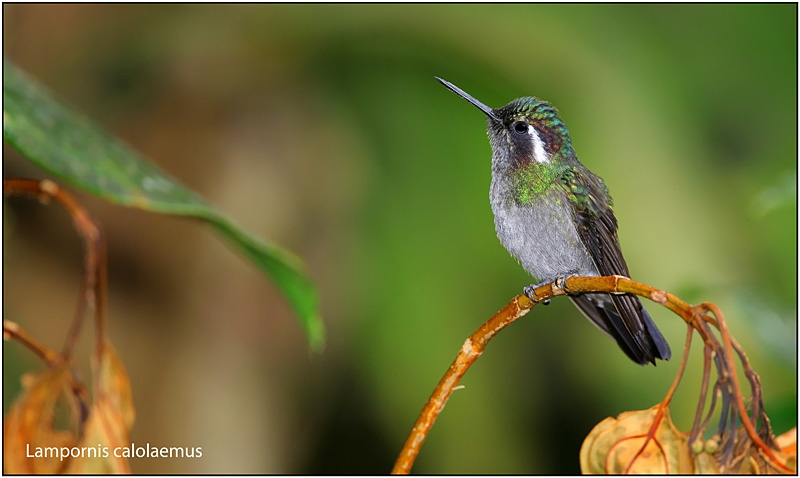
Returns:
point(78, 152)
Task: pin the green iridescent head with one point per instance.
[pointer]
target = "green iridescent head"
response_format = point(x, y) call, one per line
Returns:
point(540, 114)
point(526, 131)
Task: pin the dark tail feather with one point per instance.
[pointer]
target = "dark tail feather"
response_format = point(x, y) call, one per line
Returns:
point(643, 344)
point(664, 352)
point(612, 325)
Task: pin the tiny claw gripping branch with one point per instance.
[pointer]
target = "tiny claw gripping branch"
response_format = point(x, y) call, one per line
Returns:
point(751, 448)
point(530, 292)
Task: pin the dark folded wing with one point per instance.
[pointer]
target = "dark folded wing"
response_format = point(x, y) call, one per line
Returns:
point(597, 228)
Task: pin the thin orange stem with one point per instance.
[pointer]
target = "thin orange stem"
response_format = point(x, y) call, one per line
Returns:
point(748, 425)
point(94, 275)
point(651, 432)
point(472, 349)
point(12, 331)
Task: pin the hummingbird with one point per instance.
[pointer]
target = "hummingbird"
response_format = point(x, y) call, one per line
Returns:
point(555, 217)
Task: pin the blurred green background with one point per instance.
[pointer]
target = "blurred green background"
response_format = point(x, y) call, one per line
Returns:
point(322, 128)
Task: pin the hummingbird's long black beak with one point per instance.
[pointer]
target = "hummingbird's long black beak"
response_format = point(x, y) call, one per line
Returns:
point(469, 98)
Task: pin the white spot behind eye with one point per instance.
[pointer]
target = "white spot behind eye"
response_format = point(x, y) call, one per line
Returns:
point(539, 153)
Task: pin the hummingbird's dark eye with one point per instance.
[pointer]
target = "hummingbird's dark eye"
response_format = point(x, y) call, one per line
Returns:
point(520, 127)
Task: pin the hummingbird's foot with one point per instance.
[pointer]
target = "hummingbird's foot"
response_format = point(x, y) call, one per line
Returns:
point(530, 292)
point(561, 283)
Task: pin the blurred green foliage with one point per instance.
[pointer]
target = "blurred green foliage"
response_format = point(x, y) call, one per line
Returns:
point(688, 112)
point(74, 150)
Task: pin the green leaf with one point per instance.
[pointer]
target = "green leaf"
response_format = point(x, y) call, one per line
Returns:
point(73, 149)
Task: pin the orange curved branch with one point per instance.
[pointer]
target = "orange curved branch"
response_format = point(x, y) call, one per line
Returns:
point(695, 317)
